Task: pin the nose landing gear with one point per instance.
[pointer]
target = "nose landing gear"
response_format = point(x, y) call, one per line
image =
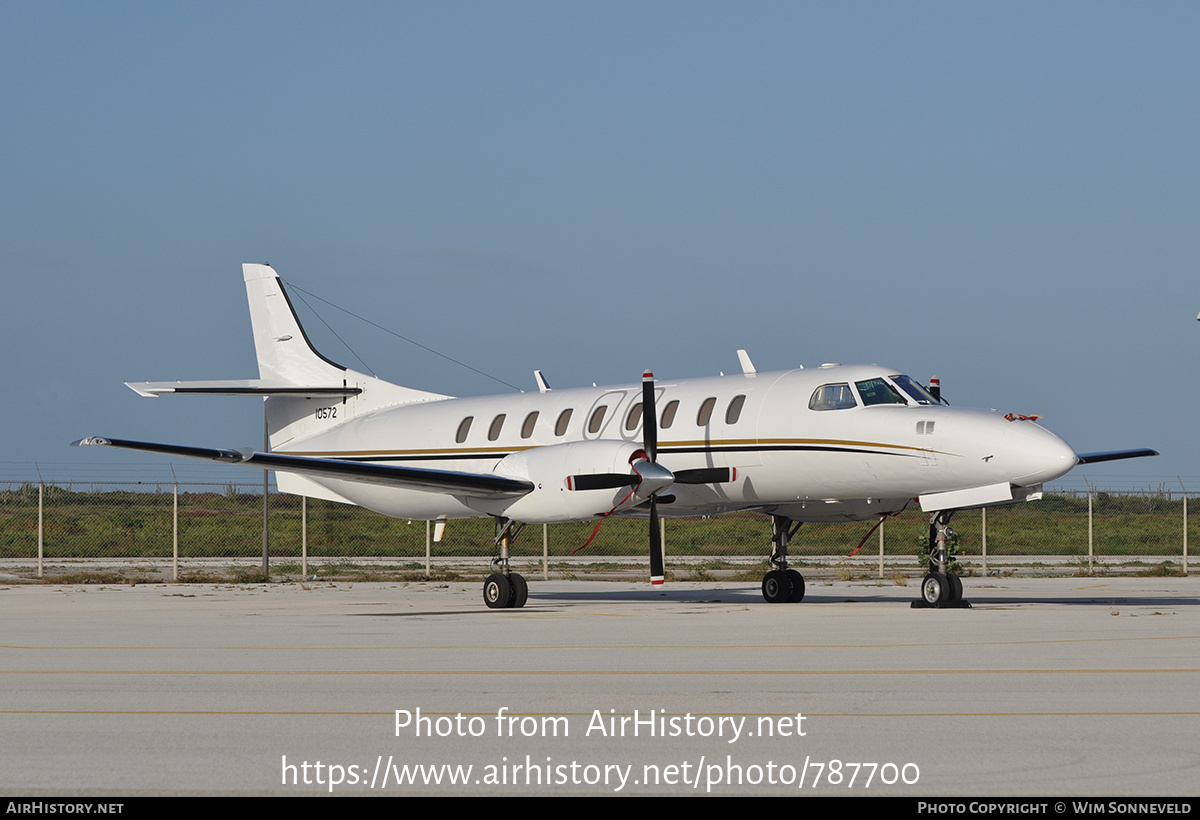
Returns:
point(940, 588)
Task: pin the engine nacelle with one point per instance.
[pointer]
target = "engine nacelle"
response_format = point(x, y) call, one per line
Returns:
point(552, 501)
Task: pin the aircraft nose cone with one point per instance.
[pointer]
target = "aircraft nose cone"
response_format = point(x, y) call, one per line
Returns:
point(1038, 454)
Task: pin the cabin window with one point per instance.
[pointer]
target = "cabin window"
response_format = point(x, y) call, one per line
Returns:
point(634, 418)
point(668, 414)
point(832, 397)
point(597, 419)
point(494, 430)
point(734, 411)
point(463, 428)
point(705, 414)
point(878, 391)
point(564, 418)
point(527, 427)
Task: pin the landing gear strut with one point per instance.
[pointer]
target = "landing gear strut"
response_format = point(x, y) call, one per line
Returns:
point(505, 589)
point(782, 584)
point(940, 588)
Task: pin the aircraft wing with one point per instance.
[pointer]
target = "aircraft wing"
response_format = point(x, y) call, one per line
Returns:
point(480, 485)
point(1113, 455)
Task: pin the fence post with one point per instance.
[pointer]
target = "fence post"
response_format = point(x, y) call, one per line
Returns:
point(545, 552)
point(1185, 569)
point(881, 524)
point(266, 547)
point(304, 536)
point(40, 494)
point(983, 536)
point(428, 546)
point(174, 527)
point(1090, 569)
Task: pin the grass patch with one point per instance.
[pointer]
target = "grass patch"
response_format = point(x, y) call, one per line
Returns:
point(1166, 569)
point(99, 577)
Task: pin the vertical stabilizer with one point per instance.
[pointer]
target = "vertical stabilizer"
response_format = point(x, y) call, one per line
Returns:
point(285, 355)
point(307, 396)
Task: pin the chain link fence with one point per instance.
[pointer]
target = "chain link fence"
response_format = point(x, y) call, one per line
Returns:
point(192, 528)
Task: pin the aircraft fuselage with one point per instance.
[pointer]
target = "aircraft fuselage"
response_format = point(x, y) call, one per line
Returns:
point(839, 460)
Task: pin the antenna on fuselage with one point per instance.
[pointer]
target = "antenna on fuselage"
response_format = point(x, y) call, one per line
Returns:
point(747, 365)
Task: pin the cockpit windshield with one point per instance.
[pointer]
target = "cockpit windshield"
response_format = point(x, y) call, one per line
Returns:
point(914, 389)
point(878, 391)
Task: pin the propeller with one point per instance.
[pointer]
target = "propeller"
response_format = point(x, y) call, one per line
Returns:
point(650, 440)
point(649, 478)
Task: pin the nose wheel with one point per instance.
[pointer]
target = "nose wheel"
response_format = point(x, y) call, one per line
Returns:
point(940, 588)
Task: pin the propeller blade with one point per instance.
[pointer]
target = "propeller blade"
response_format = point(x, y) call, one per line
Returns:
point(649, 417)
point(603, 481)
point(656, 553)
point(706, 475)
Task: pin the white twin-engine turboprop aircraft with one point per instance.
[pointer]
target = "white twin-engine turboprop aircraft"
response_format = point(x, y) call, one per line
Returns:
point(829, 444)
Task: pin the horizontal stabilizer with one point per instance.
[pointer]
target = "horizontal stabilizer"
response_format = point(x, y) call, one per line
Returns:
point(239, 387)
point(1113, 455)
point(479, 485)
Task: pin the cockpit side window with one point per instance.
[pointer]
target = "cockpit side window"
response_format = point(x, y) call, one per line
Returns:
point(878, 391)
point(832, 397)
point(914, 389)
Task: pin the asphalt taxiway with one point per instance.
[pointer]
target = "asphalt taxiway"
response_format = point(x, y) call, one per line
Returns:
point(1045, 687)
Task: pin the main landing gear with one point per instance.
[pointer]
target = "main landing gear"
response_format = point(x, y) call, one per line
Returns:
point(940, 588)
point(781, 584)
point(505, 589)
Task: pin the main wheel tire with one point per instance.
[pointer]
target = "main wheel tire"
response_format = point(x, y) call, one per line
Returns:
point(797, 586)
point(497, 591)
point(520, 593)
point(935, 589)
point(776, 586)
point(956, 587)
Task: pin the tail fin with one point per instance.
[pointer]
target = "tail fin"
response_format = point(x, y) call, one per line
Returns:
point(290, 370)
point(299, 384)
point(285, 354)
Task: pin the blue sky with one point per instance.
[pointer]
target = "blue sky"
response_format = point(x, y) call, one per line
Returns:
point(1005, 195)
